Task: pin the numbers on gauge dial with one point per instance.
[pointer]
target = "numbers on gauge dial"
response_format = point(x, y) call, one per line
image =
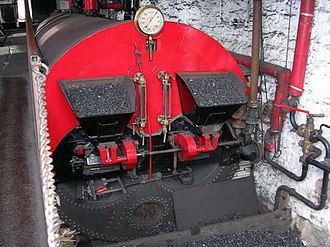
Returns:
point(151, 21)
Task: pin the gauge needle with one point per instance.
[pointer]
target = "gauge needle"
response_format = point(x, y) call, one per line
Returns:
point(151, 20)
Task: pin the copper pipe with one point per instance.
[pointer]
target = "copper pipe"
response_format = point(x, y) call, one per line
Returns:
point(253, 103)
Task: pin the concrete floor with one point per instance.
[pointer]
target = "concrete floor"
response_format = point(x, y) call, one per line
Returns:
point(21, 207)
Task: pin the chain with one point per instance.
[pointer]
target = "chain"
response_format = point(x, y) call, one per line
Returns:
point(50, 198)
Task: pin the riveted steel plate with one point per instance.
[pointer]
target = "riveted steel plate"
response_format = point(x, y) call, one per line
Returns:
point(196, 206)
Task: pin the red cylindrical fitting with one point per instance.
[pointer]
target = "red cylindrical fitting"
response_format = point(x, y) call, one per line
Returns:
point(302, 47)
point(281, 95)
point(91, 4)
point(69, 4)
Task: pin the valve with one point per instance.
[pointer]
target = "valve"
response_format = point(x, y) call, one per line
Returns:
point(305, 131)
point(151, 45)
point(166, 126)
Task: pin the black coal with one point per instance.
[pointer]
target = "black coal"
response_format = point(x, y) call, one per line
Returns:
point(99, 100)
point(224, 218)
point(216, 91)
point(245, 239)
point(248, 239)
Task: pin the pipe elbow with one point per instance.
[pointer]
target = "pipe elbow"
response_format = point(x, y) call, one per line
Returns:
point(293, 120)
point(316, 153)
point(325, 144)
point(315, 136)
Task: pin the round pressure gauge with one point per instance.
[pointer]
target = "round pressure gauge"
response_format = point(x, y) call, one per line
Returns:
point(149, 20)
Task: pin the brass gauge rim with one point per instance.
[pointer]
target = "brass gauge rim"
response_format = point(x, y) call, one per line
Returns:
point(137, 16)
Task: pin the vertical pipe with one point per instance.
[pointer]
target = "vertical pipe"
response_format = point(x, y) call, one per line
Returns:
point(91, 4)
point(281, 95)
point(255, 53)
point(91, 7)
point(69, 4)
point(302, 47)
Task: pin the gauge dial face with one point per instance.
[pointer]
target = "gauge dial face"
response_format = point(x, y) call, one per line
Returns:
point(149, 20)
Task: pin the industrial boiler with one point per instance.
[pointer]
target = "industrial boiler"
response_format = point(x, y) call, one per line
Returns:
point(137, 111)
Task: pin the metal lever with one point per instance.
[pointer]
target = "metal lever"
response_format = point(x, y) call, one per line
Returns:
point(301, 110)
point(317, 115)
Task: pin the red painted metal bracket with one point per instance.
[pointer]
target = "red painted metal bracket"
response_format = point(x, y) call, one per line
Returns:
point(190, 149)
point(108, 154)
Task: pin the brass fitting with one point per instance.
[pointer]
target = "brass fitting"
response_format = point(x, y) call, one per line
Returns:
point(304, 131)
point(166, 126)
point(139, 78)
point(164, 77)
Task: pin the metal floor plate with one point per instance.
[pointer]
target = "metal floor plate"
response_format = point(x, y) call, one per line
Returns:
point(197, 206)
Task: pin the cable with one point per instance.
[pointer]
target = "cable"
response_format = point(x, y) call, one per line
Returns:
point(262, 78)
point(278, 141)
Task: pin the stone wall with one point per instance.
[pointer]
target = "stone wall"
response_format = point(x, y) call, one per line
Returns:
point(230, 22)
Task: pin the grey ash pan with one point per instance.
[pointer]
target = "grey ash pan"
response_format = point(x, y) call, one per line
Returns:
point(215, 89)
point(100, 97)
